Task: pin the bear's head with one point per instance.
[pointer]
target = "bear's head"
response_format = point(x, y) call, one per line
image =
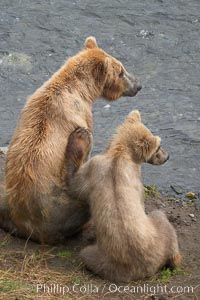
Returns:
point(109, 74)
point(143, 144)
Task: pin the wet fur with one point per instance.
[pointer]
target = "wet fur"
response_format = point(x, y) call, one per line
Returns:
point(37, 201)
point(131, 245)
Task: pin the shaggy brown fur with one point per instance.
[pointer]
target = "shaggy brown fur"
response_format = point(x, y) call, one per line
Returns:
point(130, 244)
point(37, 201)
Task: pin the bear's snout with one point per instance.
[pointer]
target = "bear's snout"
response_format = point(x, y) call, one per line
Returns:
point(133, 85)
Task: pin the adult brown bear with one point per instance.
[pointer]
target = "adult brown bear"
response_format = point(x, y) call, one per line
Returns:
point(37, 204)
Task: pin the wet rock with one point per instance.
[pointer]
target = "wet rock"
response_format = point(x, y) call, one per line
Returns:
point(197, 207)
point(195, 21)
point(3, 150)
point(177, 189)
point(145, 34)
point(191, 195)
point(107, 106)
point(186, 223)
point(16, 60)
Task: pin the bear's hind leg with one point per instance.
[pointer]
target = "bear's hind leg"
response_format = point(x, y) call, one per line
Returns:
point(168, 236)
point(100, 264)
point(94, 260)
point(174, 261)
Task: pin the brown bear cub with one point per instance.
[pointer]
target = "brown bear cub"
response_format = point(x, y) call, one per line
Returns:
point(131, 245)
point(37, 203)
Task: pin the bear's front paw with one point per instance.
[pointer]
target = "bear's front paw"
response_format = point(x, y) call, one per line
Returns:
point(79, 146)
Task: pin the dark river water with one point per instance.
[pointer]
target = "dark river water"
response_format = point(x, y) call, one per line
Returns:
point(157, 40)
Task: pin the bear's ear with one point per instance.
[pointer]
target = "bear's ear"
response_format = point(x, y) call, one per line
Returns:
point(134, 116)
point(90, 43)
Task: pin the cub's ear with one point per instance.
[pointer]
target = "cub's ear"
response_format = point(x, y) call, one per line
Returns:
point(90, 43)
point(134, 116)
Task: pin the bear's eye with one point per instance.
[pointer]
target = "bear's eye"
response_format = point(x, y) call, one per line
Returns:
point(121, 74)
